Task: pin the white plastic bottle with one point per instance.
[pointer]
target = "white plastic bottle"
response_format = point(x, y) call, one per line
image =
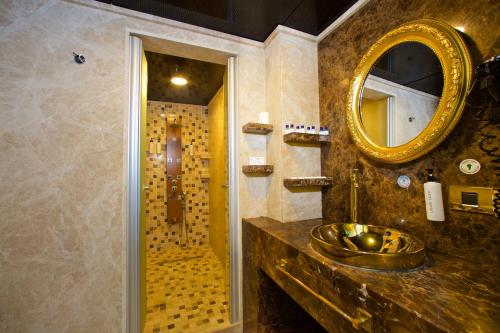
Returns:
point(158, 146)
point(152, 146)
point(433, 198)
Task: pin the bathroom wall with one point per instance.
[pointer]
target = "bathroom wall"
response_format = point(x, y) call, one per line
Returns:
point(217, 147)
point(374, 115)
point(473, 236)
point(63, 157)
point(161, 233)
point(292, 97)
point(407, 103)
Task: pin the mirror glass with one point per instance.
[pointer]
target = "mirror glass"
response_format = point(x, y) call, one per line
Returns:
point(401, 94)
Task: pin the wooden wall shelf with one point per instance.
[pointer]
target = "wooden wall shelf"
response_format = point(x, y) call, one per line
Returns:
point(257, 170)
point(305, 138)
point(257, 128)
point(307, 181)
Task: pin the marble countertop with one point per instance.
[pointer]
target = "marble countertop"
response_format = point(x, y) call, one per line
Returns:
point(449, 293)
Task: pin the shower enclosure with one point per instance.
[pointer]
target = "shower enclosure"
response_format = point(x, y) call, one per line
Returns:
point(166, 303)
point(185, 212)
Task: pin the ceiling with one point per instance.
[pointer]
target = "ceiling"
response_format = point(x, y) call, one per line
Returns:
point(204, 79)
point(254, 19)
point(414, 65)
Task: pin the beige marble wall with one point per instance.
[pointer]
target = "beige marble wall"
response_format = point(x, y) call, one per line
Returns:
point(292, 97)
point(274, 140)
point(63, 135)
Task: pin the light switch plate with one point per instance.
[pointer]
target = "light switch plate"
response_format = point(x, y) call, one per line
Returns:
point(256, 160)
point(472, 199)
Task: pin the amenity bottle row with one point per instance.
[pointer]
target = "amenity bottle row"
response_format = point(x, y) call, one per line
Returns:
point(290, 128)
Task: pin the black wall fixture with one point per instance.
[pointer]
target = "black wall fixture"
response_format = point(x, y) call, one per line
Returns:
point(254, 19)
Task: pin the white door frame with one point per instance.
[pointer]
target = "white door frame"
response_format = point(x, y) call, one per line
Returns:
point(391, 123)
point(132, 230)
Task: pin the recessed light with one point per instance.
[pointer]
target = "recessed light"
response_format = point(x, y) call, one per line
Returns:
point(179, 81)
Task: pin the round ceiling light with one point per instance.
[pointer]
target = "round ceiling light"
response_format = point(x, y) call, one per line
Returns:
point(178, 80)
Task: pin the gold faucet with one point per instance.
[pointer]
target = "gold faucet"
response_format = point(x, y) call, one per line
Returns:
point(354, 195)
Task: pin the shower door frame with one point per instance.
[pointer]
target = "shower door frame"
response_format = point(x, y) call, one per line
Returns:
point(133, 205)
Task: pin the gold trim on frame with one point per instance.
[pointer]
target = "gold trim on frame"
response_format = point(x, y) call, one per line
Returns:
point(452, 52)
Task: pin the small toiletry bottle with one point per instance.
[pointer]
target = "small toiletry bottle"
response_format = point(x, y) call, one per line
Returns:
point(158, 146)
point(313, 129)
point(302, 129)
point(291, 128)
point(433, 198)
point(287, 128)
point(308, 129)
point(326, 132)
point(152, 147)
point(320, 130)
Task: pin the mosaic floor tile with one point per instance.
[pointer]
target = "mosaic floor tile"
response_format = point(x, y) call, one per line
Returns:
point(185, 291)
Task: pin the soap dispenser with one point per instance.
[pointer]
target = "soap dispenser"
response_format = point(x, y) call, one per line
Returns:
point(433, 198)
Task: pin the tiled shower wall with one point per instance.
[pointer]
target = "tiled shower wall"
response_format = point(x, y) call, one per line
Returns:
point(194, 140)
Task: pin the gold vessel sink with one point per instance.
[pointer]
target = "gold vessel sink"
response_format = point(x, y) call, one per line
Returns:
point(368, 246)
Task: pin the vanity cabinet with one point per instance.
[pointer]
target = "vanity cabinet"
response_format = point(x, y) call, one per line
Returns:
point(341, 298)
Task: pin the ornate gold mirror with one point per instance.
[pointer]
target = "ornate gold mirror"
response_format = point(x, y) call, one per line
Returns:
point(408, 91)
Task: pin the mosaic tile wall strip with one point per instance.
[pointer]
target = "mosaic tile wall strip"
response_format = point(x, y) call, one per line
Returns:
point(194, 139)
point(185, 295)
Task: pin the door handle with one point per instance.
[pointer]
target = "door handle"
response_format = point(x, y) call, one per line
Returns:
point(145, 188)
point(225, 186)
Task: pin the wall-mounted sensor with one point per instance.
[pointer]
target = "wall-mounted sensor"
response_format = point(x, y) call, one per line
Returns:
point(404, 181)
point(79, 58)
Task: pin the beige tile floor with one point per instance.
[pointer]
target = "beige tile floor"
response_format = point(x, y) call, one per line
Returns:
point(185, 291)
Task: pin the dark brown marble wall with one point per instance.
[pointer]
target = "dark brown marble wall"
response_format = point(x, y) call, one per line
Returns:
point(382, 201)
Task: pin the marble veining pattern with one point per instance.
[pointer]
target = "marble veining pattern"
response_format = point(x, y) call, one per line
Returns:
point(381, 201)
point(310, 181)
point(63, 147)
point(448, 294)
point(292, 97)
point(256, 128)
point(257, 169)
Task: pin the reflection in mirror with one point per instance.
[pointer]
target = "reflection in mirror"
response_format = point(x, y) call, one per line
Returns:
point(401, 94)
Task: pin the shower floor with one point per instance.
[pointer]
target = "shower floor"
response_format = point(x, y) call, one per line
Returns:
point(185, 291)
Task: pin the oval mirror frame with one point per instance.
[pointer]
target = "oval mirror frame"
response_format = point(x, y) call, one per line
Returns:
point(455, 61)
